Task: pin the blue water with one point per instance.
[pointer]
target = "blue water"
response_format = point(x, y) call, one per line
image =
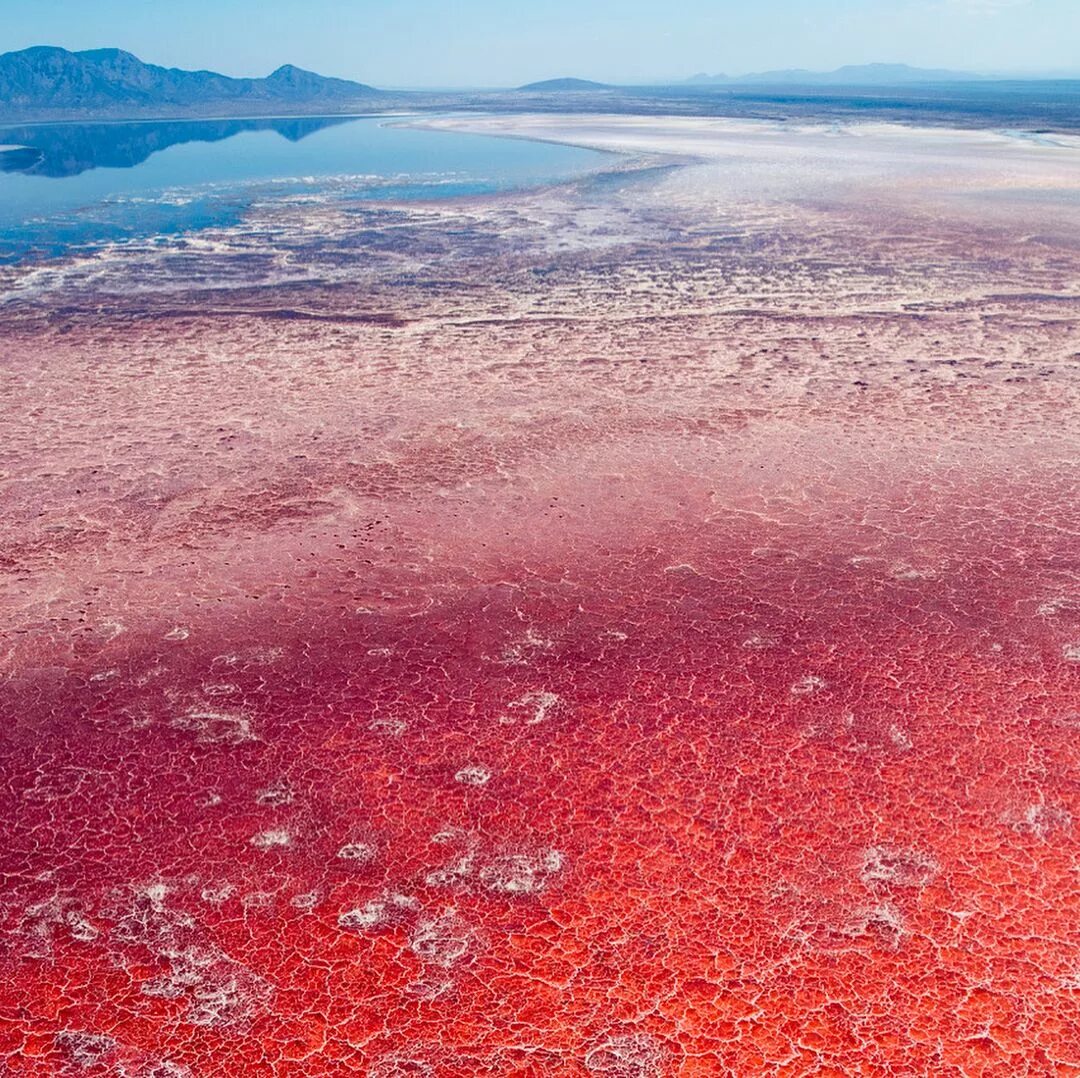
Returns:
point(76, 186)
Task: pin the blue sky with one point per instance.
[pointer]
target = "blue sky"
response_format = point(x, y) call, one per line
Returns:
point(506, 42)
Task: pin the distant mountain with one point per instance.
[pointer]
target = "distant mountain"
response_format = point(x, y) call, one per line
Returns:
point(850, 75)
point(554, 86)
point(53, 83)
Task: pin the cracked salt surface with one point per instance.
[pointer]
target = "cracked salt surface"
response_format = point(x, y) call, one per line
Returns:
point(546, 807)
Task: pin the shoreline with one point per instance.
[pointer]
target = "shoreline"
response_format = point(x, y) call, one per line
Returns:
point(1034, 106)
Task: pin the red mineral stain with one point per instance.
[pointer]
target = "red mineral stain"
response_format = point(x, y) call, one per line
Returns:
point(399, 699)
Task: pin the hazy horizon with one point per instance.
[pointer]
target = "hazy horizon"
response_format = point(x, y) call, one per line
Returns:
point(482, 43)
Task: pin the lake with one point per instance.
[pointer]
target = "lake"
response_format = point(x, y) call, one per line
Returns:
point(73, 186)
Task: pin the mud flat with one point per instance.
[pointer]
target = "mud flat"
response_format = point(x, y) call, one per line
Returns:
point(631, 628)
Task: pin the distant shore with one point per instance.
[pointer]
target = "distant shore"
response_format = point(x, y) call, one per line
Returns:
point(1035, 106)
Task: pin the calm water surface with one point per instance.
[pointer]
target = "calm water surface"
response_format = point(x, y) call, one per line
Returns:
point(72, 186)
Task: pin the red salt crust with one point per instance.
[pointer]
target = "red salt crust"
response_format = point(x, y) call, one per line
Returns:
point(742, 801)
point(568, 677)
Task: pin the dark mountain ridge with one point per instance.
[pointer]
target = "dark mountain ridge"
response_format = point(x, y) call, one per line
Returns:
point(47, 82)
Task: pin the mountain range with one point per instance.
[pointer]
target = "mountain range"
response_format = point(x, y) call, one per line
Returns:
point(47, 82)
point(850, 75)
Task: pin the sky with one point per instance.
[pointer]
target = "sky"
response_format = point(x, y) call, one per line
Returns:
point(470, 43)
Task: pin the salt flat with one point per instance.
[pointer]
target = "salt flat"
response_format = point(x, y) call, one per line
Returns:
point(622, 628)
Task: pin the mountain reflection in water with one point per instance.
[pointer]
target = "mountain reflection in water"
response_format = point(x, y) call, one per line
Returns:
point(67, 187)
point(59, 150)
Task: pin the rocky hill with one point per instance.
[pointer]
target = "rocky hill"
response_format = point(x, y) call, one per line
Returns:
point(47, 82)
